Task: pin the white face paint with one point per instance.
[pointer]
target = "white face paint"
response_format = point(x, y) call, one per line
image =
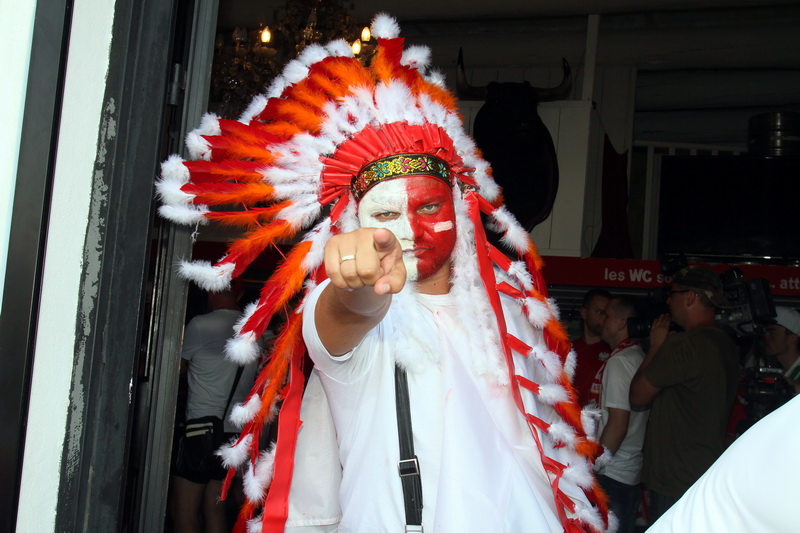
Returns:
point(419, 211)
point(391, 197)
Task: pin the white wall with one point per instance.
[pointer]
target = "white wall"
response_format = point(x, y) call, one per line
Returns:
point(16, 32)
point(81, 121)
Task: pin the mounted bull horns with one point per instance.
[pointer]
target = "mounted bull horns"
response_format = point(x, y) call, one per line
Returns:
point(465, 91)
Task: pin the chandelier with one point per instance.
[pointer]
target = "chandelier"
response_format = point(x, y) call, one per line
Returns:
point(247, 59)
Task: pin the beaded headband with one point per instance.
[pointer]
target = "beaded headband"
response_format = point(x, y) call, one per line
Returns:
point(399, 166)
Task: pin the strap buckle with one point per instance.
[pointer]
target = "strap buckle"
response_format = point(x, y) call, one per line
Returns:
point(414, 529)
point(408, 467)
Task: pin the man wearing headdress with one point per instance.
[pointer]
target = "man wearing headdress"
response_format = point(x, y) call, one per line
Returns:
point(401, 286)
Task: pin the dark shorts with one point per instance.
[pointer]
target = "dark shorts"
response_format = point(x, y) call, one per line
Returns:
point(196, 458)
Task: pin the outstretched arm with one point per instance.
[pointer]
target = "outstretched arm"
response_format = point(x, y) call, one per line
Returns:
point(365, 268)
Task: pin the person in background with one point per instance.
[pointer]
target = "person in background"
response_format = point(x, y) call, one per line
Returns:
point(196, 482)
point(591, 350)
point(782, 341)
point(622, 429)
point(690, 378)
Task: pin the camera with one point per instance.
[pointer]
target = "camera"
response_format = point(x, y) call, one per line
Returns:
point(751, 303)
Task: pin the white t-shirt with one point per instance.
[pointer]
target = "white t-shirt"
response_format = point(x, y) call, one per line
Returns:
point(752, 487)
point(210, 374)
point(480, 468)
point(626, 465)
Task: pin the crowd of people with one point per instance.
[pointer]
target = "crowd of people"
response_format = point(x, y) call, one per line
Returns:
point(666, 402)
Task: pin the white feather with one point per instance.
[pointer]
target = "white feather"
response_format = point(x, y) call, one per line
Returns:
point(251, 308)
point(197, 146)
point(234, 454)
point(395, 103)
point(207, 276)
point(580, 473)
point(254, 525)
point(562, 433)
point(243, 348)
point(242, 413)
point(319, 237)
point(385, 27)
point(295, 71)
point(169, 192)
point(300, 216)
point(174, 169)
point(437, 78)
point(538, 312)
point(554, 310)
point(312, 53)
point(416, 56)
point(188, 215)
point(520, 272)
point(255, 107)
point(276, 88)
point(258, 477)
point(570, 364)
point(589, 420)
point(339, 48)
point(552, 393)
point(549, 361)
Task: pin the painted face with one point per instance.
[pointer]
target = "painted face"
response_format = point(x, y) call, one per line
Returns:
point(419, 211)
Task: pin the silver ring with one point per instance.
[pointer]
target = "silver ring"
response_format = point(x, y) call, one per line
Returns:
point(346, 258)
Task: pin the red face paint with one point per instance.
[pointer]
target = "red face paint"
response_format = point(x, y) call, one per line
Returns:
point(419, 211)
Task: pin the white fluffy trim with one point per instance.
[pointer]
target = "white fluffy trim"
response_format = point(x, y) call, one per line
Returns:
point(312, 53)
point(590, 418)
point(207, 276)
point(254, 524)
point(385, 27)
point(580, 473)
point(538, 312)
point(188, 215)
point(255, 107)
point(258, 477)
point(339, 48)
point(562, 433)
point(570, 364)
point(515, 235)
point(519, 271)
point(604, 459)
point(243, 349)
point(552, 393)
point(416, 56)
point(590, 515)
point(295, 71)
point(319, 236)
point(233, 454)
point(242, 413)
point(549, 360)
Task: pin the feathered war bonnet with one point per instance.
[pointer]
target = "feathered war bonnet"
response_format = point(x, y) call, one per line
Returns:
point(296, 161)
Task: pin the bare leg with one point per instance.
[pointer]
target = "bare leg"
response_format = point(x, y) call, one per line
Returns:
point(213, 509)
point(185, 499)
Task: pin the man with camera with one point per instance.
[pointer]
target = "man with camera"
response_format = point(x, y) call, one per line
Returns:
point(622, 429)
point(690, 380)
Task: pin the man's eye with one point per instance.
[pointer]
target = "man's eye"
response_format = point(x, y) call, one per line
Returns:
point(429, 209)
point(386, 216)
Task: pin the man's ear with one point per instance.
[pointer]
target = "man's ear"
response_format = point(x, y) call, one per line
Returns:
point(582, 311)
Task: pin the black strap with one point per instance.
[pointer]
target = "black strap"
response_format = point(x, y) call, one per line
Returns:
point(233, 390)
point(408, 466)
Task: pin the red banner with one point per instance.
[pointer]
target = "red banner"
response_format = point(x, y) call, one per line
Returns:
point(644, 274)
